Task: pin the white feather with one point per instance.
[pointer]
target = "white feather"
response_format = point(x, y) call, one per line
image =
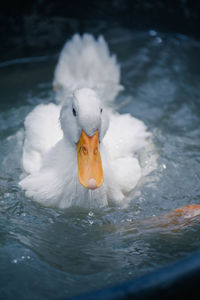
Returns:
point(86, 62)
point(42, 131)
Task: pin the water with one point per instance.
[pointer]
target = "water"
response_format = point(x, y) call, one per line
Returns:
point(50, 254)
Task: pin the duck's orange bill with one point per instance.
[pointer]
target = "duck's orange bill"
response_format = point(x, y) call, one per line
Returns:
point(90, 172)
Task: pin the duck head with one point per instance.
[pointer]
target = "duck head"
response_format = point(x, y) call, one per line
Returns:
point(84, 123)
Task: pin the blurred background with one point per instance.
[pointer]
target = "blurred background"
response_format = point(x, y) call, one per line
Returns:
point(40, 27)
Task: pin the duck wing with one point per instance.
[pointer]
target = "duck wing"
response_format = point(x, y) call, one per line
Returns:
point(126, 135)
point(42, 132)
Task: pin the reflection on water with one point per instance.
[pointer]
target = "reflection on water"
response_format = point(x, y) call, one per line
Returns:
point(48, 252)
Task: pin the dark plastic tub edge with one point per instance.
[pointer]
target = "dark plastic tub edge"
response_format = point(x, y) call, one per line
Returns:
point(176, 281)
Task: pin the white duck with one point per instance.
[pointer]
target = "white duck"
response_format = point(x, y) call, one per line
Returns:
point(78, 151)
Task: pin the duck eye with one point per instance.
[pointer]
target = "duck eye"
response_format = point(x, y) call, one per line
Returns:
point(101, 110)
point(74, 112)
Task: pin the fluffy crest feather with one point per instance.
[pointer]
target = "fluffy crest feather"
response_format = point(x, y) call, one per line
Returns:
point(86, 62)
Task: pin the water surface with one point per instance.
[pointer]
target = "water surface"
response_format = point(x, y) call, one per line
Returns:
point(50, 254)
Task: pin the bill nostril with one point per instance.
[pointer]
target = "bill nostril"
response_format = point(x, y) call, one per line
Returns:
point(95, 150)
point(85, 151)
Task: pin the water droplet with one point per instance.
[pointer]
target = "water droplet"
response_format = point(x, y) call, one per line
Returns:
point(91, 214)
point(15, 261)
point(129, 273)
point(129, 220)
point(164, 166)
point(158, 40)
point(152, 33)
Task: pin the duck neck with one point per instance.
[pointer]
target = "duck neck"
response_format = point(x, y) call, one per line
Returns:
point(70, 147)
